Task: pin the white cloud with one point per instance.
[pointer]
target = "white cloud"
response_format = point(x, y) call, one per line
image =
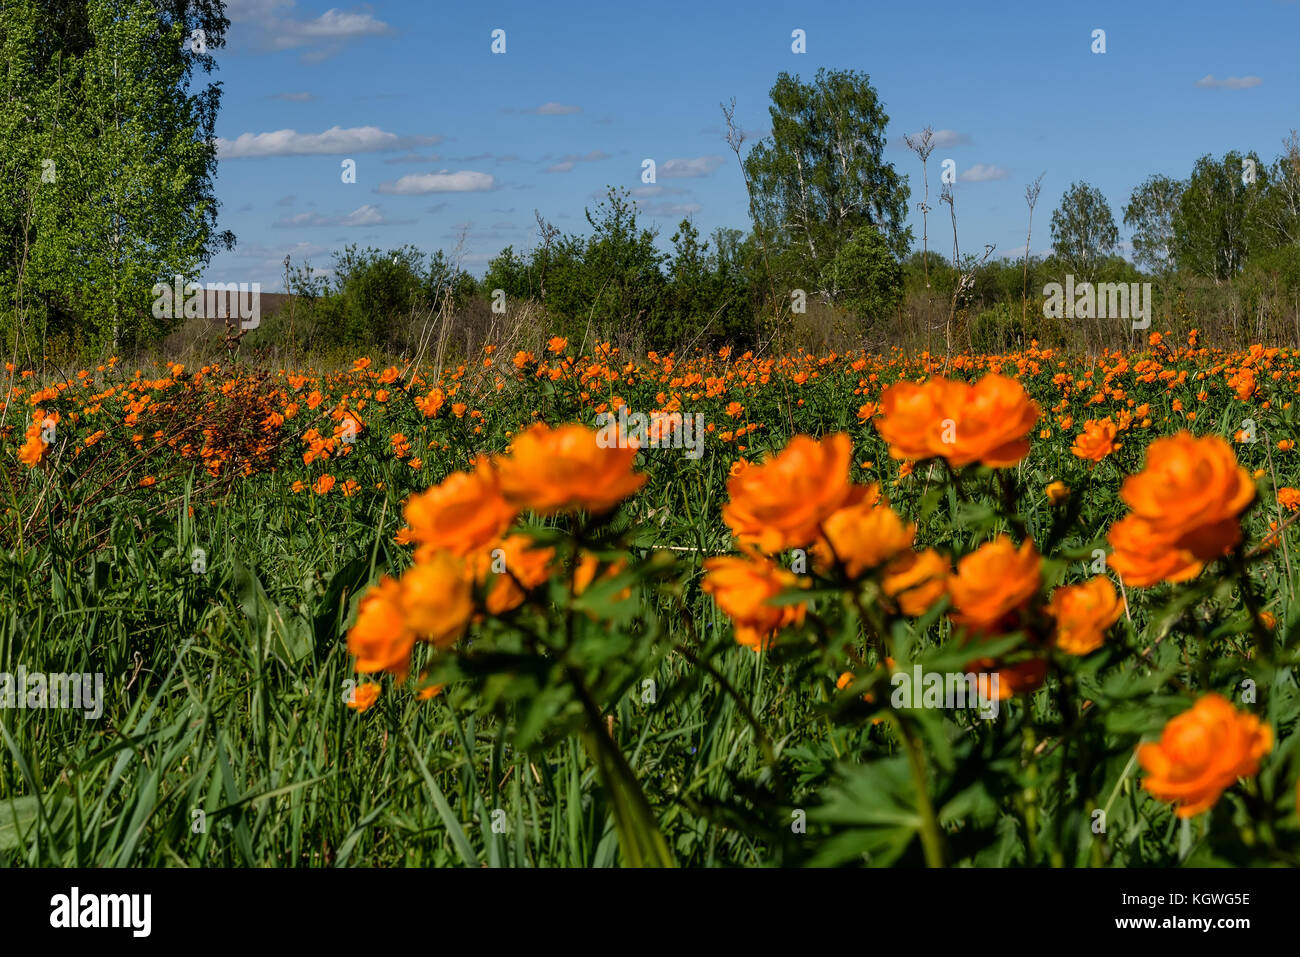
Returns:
point(979, 173)
point(1228, 83)
point(566, 163)
point(417, 184)
point(683, 168)
point(319, 37)
point(367, 215)
point(335, 141)
point(945, 138)
point(300, 97)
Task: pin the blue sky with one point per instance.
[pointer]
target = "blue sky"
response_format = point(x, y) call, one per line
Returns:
point(455, 146)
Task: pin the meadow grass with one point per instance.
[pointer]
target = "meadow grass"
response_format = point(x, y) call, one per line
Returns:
point(226, 739)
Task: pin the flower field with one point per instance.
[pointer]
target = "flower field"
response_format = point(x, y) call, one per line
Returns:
point(570, 607)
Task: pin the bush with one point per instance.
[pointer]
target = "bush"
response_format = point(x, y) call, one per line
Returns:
point(1001, 328)
point(867, 278)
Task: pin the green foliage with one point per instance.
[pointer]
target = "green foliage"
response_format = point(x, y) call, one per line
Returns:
point(868, 280)
point(1083, 231)
point(370, 298)
point(1002, 328)
point(1220, 217)
point(108, 164)
point(821, 178)
point(1150, 213)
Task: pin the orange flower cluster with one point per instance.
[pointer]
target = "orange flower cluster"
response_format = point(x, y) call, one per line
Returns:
point(35, 447)
point(432, 603)
point(1185, 508)
point(995, 591)
point(1202, 752)
point(987, 422)
point(803, 497)
point(460, 531)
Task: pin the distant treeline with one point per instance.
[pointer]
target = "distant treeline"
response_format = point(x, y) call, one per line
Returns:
point(106, 190)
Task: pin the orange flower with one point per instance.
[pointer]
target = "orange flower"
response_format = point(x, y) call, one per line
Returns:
point(585, 573)
point(782, 502)
point(912, 419)
point(743, 589)
point(363, 696)
point(1013, 679)
point(1096, 441)
point(1083, 613)
point(556, 470)
point(1185, 507)
point(1289, 499)
point(513, 562)
point(463, 514)
point(987, 422)
point(863, 535)
point(431, 403)
point(429, 692)
point(323, 484)
point(1057, 492)
point(1202, 752)
point(556, 344)
point(436, 599)
point(994, 581)
point(916, 581)
point(992, 422)
point(1143, 558)
point(1189, 484)
point(380, 640)
point(33, 450)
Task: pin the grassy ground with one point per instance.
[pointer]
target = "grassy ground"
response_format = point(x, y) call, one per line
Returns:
point(226, 738)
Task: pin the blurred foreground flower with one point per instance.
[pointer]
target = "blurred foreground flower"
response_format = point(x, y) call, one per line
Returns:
point(1202, 752)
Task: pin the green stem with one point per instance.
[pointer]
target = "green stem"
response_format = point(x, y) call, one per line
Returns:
point(639, 836)
point(931, 837)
